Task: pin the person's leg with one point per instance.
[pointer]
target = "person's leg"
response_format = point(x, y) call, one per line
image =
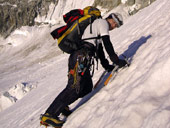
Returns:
point(68, 95)
point(86, 84)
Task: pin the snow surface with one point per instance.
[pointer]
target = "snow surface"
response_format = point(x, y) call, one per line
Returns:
point(139, 97)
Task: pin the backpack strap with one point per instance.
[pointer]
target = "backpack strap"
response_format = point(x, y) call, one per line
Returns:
point(96, 47)
point(90, 26)
point(91, 38)
point(78, 28)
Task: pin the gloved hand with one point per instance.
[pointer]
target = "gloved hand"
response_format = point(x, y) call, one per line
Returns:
point(121, 63)
point(106, 65)
point(115, 59)
point(109, 68)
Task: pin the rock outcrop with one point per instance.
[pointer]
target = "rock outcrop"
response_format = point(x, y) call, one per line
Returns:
point(17, 13)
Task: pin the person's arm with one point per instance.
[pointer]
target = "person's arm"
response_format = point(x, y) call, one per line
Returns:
point(104, 62)
point(109, 49)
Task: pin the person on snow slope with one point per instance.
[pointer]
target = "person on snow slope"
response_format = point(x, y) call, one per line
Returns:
point(80, 79)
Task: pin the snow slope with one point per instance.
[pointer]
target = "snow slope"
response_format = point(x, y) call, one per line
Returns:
point(139, 97)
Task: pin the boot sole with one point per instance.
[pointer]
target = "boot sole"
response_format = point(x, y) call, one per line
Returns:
point(49, 124)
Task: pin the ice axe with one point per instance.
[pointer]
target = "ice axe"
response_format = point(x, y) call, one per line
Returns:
point(126, 59)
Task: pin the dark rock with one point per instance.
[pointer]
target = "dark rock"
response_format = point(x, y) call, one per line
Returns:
point(17, 13)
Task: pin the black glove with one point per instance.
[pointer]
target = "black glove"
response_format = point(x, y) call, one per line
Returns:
point(106, 65)
point(115, 59)
point(121, 63)
point(109, 68)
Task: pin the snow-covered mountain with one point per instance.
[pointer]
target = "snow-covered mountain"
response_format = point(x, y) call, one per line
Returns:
point(33, 71)
point(17, 13)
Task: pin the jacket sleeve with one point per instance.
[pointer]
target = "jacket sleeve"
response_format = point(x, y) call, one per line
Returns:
point(109, 49)
point(100, 53)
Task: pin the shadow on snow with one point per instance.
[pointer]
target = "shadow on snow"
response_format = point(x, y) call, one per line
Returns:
point(132, 49)
point(129, 53)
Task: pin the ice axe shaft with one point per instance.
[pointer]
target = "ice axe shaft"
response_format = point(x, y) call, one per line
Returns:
point(126, 59)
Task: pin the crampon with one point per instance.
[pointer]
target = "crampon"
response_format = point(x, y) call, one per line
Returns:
point(47, 125)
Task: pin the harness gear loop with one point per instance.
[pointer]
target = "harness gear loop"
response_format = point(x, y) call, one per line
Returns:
point(74, 73)
point(83, 63)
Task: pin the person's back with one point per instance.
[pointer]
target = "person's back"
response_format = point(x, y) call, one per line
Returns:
point(99, 27)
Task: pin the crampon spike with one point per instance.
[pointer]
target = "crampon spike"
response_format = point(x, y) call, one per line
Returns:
point(43, 123)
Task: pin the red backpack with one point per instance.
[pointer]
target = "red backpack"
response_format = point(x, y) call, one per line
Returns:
point(69, 19)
